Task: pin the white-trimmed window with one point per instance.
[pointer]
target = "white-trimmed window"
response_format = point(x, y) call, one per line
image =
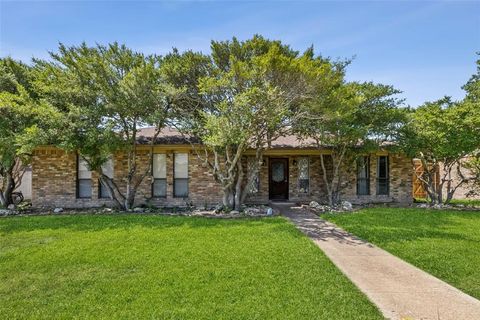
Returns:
point(303, 175)
point(159, 172)
point(84, 179)
point(255, 183)
point(180, 175)
point(107, 169)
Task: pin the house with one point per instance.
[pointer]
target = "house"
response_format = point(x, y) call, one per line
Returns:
point(291, 171)
point(463, 191)
point(26, 185)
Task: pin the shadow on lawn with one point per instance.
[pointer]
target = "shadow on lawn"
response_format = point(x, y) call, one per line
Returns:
point(394, 225)
point(321, 230)
point(130, 221)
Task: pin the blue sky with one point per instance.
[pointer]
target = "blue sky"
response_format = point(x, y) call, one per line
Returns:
point(424, 48)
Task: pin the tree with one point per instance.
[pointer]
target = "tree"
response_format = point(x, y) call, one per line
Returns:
point(472, 89)
point(473, 165)
point(442, 134)
point(243, 96)
point(105, 94)
point(445, 133)
point(23, 124)
point(345, 121)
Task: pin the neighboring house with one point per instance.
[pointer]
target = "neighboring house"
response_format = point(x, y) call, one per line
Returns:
point(291, 171)
point(26, 185)
point(462, 192)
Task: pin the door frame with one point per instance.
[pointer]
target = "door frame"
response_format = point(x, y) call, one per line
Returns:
point(287, 175)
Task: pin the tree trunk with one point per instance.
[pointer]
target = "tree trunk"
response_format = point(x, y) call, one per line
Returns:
point(238, 187)
point(228, 197)
point(326, 181)
point(113, 191)
point(130, 196)
point(8, 187)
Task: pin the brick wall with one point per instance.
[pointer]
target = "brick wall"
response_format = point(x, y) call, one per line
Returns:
point(54, 182)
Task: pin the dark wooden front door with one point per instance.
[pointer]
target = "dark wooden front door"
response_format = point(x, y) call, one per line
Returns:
point(278, 179)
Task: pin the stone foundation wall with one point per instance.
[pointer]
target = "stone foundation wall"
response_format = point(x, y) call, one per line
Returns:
point(54, 182)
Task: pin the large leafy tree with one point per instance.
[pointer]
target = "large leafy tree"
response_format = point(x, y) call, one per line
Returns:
point(472, 88)
point(345, 121)
point(445, 133)
point(24, 123)
point(243, 96)
point(105, 94)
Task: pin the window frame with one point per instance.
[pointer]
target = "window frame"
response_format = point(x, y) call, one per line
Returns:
point(183, 179)
point(83, 179)
point(386, 179)
point(308, 174)
point(366, 160)
point(159, 179)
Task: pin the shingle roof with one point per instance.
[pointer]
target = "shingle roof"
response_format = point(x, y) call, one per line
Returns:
point(172, 136)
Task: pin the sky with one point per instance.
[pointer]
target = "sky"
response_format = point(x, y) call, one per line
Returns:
point(426, 49)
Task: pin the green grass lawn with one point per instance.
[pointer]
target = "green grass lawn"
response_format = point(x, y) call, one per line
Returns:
point(456, 202)
point(129, 266)
point(445, 243)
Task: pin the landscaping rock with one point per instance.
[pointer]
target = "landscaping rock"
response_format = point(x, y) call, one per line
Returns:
point(346, 206)
point(11, 206)
point(138, 210)
point(314, 205)
point(218, 208)
point(253, 211)
point(5, 212)
point(422, 205)
point(57, 210)
point(318, 207)
point(234, 212)
point(269, 211)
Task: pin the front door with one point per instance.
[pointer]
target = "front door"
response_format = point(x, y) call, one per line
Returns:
point(278, 179)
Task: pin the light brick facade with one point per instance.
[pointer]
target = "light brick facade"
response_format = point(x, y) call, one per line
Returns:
point(54, 184)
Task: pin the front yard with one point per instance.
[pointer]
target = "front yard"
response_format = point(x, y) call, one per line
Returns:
point(445, 243)
point(129, 266)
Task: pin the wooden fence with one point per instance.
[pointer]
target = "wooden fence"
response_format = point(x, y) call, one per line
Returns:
point(418, 190)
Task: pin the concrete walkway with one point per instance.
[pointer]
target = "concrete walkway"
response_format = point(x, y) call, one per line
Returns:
point(400, 290)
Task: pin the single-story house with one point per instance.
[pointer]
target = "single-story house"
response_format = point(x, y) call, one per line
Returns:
point(291, 171)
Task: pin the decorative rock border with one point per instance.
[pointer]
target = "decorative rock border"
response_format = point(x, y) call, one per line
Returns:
point(249, 212)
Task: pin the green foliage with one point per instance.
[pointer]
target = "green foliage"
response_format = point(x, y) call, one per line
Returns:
point(244, 95)
point(25, 122)
point(105, 94)
point(445, 132)
point(444, 243)
point(156, 267)
point(348, 118)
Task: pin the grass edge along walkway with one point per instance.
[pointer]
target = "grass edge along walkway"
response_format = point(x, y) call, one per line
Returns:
point(399, 289)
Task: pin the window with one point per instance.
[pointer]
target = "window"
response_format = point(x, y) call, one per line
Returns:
point(180, 175)
point(255, 183)
point(84, 179)
point(159, 172)
point(363, 176)
point(382, 175)
point(107, 169)
point(303, 175)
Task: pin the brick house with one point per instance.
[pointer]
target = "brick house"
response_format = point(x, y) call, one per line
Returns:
point(291, 171)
